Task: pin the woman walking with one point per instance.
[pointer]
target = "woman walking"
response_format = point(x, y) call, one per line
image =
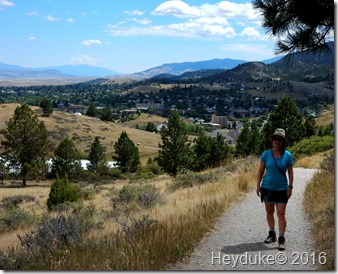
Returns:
point(274, 187)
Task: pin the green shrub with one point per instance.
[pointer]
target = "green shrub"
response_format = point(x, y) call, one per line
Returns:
point(153, 167)
point(149, 196)
point(143, 174)
point(312, 145)
point(145, 196)
point(11, 202)
point(138, 225)
point(328, 162)
point(128, 193)
point(61, 192)
point(115, 173)
point(191, 179)
point(14, 219)
point(65, 229)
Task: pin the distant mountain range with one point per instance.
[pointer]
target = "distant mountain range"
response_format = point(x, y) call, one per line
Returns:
point(294, 63)
point(174, 69)
point(67, 71)
point(181, 68)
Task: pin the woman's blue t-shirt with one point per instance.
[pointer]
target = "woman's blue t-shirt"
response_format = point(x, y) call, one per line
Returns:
point(273, 179)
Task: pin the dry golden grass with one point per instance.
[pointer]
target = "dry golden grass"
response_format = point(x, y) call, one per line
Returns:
point(24, 82)
point(144, 119)
point(83, 130)
point(226, 190)
point(40, 193)
point(319, 203)
point(313, 161)
point(326, 117)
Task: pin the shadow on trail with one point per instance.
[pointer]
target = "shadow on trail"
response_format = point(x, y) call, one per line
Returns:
point(246, 247)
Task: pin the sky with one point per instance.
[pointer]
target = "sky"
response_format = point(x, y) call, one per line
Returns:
point(130, 36)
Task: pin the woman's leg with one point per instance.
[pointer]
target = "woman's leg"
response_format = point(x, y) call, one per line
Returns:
point(281, 225)
point(270, 210)
point(281, 217)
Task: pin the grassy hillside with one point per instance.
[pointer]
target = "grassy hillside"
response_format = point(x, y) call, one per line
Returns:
point(83, 130)
point(326, 117)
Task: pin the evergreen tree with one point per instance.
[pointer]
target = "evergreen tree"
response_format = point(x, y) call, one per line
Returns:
point(242, 144)
point(220, 151)
point(61, 192)
point(254, 139)
point(326, 130)
point(106, 114)
point(26, 142)
point(96, 157)
point(288, 117)
point(151, 127)
point(298, 25)
point(202, 152)
point(174, 151)
point(66, 161)
point(310, 126)
point(47, 107)
point(91, 111)
point(127, 154)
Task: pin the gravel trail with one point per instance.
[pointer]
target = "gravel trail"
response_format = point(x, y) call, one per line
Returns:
point(237, 241)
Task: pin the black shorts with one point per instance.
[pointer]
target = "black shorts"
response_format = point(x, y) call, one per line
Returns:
point(274, 196)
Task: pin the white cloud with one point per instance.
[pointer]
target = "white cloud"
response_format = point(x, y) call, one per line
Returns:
point(90, 42)
point(32, 38)
point(84, 59)
point(33, 13)
point(219, 20)
point(134, 12)
point(70, 20)
point(6, 3)
point(200, 28)
point(235, 10)
point(144, 21)
point(225, 9)
point(51, 18)
point(178, 9)
point(252, 33)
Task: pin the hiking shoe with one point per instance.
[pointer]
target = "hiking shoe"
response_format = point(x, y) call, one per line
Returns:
point(271, 238)
point(281, 243)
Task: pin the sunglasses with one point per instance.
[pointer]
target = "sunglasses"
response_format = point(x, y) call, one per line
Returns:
point(277, 139)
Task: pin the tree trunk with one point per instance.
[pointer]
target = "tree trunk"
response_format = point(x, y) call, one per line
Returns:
point(24, 181)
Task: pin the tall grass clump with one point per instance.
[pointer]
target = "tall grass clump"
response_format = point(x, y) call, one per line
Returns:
point(11, 202)
point(14, 219)
point(319, 206)
point(12, 216)
point(52, 240)
point(150, 246)
point(191, 179)
point(144, 195)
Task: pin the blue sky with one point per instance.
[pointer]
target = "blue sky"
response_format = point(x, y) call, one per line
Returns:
point(129, 36)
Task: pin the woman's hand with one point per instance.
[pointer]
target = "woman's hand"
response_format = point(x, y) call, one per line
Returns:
point(258, 191)
point(289, 193)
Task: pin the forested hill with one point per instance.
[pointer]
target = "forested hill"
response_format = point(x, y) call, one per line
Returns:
point(307, 66)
